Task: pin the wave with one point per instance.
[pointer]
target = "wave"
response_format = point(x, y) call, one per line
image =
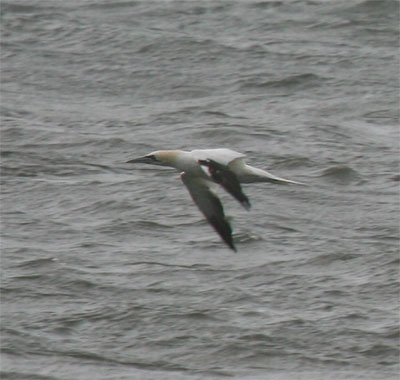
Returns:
point(300, 81)
point(341, 174)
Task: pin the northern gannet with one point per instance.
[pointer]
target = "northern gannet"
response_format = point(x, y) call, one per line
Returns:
point(201, 168)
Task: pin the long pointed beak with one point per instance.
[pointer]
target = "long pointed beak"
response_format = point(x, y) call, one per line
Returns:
point(140, 160)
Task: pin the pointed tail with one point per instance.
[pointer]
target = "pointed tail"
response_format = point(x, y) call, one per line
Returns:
point(258, 175)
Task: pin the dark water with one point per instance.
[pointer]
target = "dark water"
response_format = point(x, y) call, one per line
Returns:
point(110, 272)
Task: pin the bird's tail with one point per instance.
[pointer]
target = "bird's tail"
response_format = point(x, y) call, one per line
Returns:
point(259, 175)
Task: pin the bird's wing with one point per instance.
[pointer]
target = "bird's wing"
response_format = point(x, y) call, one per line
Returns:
point(222, 175)
point(210, 205)
point(222, 156)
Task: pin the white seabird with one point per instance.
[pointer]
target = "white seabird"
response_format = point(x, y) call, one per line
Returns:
point(201, 168)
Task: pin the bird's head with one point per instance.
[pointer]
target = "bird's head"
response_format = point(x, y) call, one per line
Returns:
point(159, 157)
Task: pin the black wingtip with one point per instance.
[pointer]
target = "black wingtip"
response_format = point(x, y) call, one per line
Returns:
point(228, 239)
point(230, 245)
point(246, 204)
point(213, 209)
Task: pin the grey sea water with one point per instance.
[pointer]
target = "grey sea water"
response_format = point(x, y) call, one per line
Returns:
point(109, 271)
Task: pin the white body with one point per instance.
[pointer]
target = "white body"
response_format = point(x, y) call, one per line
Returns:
point(188, 162)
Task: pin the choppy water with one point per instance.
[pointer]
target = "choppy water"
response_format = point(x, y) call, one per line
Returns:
point(110, 272)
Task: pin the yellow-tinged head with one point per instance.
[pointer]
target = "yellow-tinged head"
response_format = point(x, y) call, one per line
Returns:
point(159, 157)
